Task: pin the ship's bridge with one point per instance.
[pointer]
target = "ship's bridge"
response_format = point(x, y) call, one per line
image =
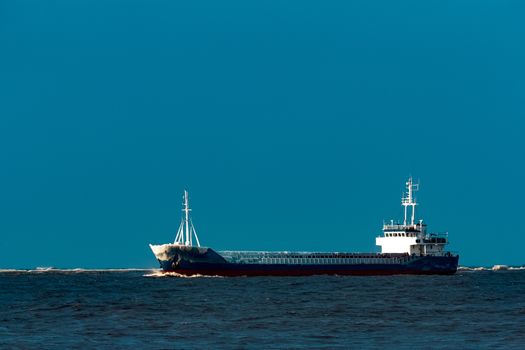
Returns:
point(411, 238)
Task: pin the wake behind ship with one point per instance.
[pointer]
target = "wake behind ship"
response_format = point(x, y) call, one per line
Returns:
point(406, 248)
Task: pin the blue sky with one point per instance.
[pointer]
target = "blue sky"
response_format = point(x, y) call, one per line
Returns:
point(293, 124)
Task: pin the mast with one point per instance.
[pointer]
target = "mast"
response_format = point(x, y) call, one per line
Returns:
point(186, 210)
point(408, 200)
point(186, 229)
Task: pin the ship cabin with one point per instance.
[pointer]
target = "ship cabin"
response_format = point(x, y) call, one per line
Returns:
point(410, 237)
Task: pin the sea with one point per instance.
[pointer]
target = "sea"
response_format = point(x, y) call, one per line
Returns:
point(476, 308)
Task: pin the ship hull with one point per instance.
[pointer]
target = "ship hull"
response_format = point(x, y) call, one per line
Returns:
point(190, 261)
point(297, 270)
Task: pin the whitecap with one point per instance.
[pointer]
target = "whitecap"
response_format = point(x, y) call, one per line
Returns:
point(498, 267)
point(472, 268)
point(517, 268)
point(160, 273)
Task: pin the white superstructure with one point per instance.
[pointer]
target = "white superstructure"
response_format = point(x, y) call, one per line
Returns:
point(412, 237)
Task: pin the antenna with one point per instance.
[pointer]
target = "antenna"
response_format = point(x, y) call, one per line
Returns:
point(408, 200)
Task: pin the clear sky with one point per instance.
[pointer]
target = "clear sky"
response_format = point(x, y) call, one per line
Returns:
point(293, 124)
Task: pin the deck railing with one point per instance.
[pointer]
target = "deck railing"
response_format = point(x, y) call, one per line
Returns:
point(297, 259)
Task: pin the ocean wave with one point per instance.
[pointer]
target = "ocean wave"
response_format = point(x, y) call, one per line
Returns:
point(470, 268)
point(39, 270)
point(44, 268)
point(103, 270)
point(507, 268)
point(493, 268)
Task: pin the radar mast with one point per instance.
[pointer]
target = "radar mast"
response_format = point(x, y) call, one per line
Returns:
point(408, 200)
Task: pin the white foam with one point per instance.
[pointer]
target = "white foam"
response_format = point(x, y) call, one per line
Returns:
point(468, 268)
point(493, 268)
point(44, 268)
point(507, 268)
point(160, 273)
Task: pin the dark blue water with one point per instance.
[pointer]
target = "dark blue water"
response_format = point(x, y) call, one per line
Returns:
point(118, 310)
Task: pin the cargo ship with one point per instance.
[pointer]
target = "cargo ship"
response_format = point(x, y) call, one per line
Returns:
point(406, 248)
